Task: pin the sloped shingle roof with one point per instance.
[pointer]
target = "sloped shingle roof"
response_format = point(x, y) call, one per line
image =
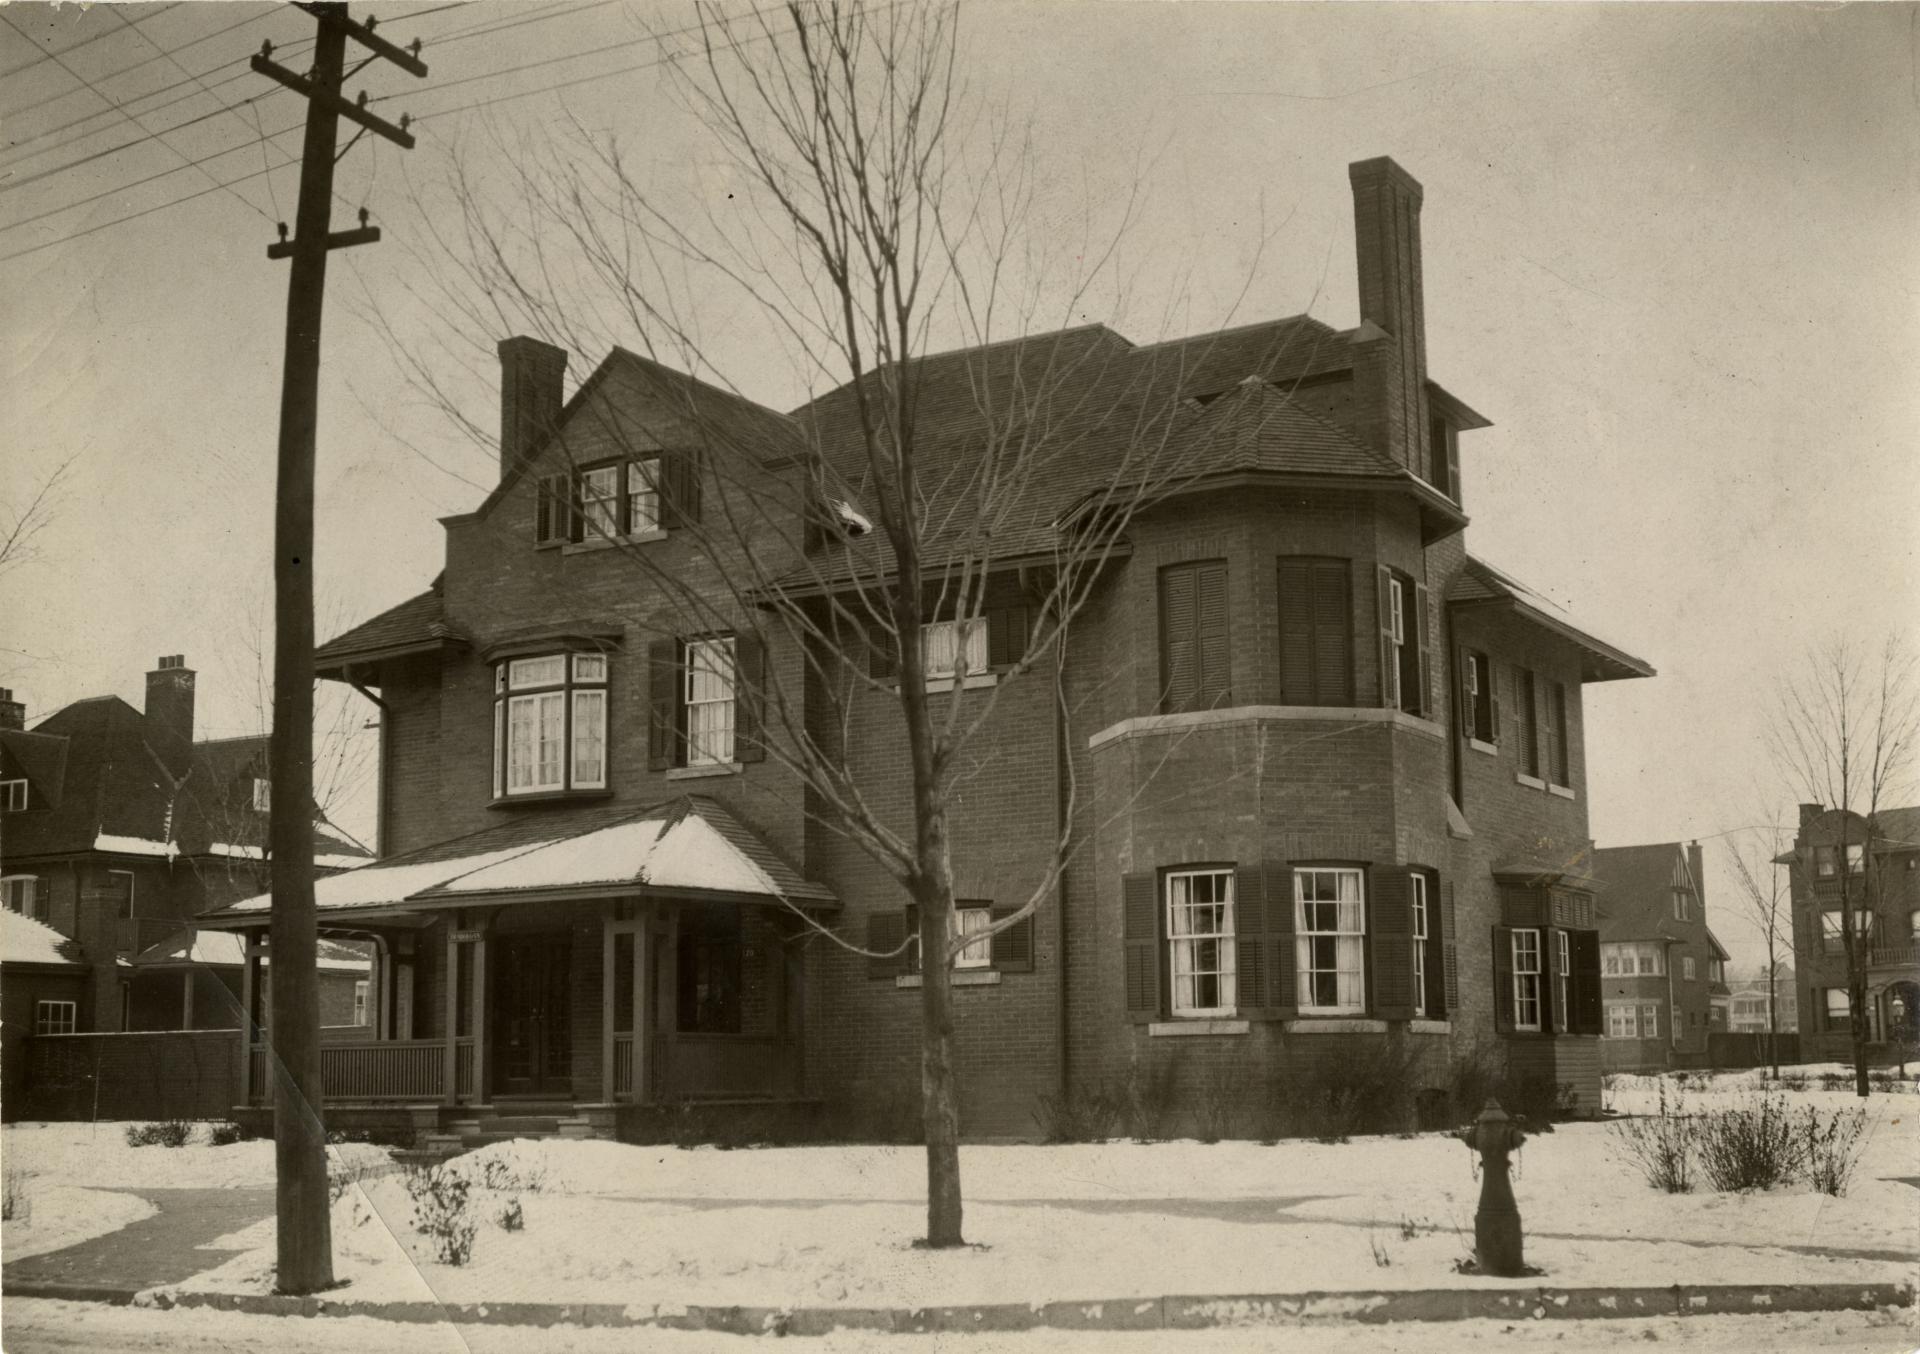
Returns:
point(26, 941)
point(1480, 584)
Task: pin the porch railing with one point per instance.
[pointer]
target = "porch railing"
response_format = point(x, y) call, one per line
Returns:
point(1892, 956)
point(401, 1070)
point(716, 1066)
point(463, 1067)
point(622, 1064)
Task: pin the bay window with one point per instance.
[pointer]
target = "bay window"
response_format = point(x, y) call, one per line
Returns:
point(550, 724)
point(1526, 978)
point(1200, 942)
point(1329, 920)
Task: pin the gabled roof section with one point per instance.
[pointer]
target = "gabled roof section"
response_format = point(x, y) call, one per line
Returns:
point(1898, 829)
point(417, 625)
point(26, 941)
point(39, 757)
point(192, 948)
point(1480, 584)
point(692, 846)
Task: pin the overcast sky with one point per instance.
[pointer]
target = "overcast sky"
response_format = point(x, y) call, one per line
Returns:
point(1669, 250)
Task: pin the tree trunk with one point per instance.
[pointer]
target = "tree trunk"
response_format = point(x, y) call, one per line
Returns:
point(939, 1092)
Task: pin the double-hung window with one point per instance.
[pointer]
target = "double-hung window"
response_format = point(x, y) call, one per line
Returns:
point(262, 795)
point(55, 1017)
point(643, 495)
point(966, 920)
point(1419, 903)
point(1686, 967)
point(1525, 688)
point(18, 891)
point(13, 795)
point(600, 501)
point(1477, 705)
point(1557, 772)
point(1526, 978)
point(953, 650)
point(1330, 925)
point(1650, 1020)
point(550, 724)
point(1200, 942)
point(709, 701)
point(360, 989)
point(613, 501)
point(1562, 977)
point(1839, 1008)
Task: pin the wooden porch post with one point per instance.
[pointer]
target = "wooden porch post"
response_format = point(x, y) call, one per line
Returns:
point(379, 975)
point(667, 1010)
point(453, 1010)
point(643, 1022)
point(479, 1016)
point(186, 999)
point(249, 961)
point(608, 933)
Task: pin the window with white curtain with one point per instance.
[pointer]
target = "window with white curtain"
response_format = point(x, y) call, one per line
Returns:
point(1330, 925)
point(709, 699)
point(550, 724)
point(1200, 941)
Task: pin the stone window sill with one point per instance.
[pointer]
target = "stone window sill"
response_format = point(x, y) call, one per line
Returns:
point(550, 797)
point(702, 772)
point(1429, 1026)
point(972, 683)
point(1563, 791)
point(1336, 1025)
point(1531, 782)
point(608, 542)
point(971, 977)
point(1491, 749)
point(1171, 1029)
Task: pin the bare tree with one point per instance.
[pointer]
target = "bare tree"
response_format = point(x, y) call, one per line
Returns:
point(21, 527)
point(867, 205)
point(1769, 907)
point(1843, 732)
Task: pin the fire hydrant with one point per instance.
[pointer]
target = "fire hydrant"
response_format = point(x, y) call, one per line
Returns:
point(1496, 1224)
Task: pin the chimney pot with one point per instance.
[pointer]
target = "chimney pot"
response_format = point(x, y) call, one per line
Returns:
point(170, 702)
point(532, 381)
point(13, 715)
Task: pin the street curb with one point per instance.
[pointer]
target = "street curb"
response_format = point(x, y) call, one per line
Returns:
point(1174, 1312)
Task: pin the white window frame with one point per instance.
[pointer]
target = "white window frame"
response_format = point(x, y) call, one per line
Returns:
point(643, 496)
point(1396, 634)
point(1623, 1020)
point(1563, 950)
point(946, 645)
point(601, 493)
point(132, 911)
point(708, 693)
point(13, 795)
point(1191, 964)
point(550, 724)
point(1419, 944)
point(1649, 1020)
point(262, 795)
point(1610, 960)
point(362, 988)
point(1687, 970)
point(1827, 1004)
point(1856, 857)
point(1682, 905)
point(968, 922)
point(1348, 937)
point(20, 892)
point(1650, 960)
point(65, 1016)
point(1526, 977)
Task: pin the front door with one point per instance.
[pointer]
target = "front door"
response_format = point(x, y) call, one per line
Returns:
point(532, 1031)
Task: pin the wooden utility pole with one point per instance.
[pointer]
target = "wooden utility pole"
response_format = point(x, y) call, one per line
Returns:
point(305, 1250)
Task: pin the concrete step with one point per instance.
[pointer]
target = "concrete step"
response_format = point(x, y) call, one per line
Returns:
point(522, 1125)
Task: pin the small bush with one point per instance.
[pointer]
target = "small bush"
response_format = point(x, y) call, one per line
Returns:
point(343, 1175)
point(1085, 1113)
point(510, 1215)
point(526, 1178)
point(224, 1134)
point(1217, 1103)
point(1660, 1144)
point(440, 1212)
point(1151, 1101)
point(13, 1192)
point(1751, 1145)
point(1830, 1149)
point(165, 1133)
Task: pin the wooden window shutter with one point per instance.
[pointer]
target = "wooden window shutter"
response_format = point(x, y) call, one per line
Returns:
point(1179, 656)
point(550, 509)
point(1140, 934)
point(1215, 682)
point(1584, 954)
point(880, 657)
point(749, 697)
point(1392, 935)
point(1423, 632)
point(680, 490)
point(1503, 979)
point(1283, 960)
point(663, 704)
point(1332, 632)
point(1492, 734)
point(1454, 490)
point(1389, 655)
point(1550, 980)
point(886, 939)
point(1252, 955)
point(1296, 633)
point(1013, 947)
point(1450, 950)
point(1006, 635)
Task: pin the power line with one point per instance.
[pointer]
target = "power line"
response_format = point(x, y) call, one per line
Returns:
point(130, 117)
point(111, 75)
point(134, 216)
point(153, 13)
point(37, 175)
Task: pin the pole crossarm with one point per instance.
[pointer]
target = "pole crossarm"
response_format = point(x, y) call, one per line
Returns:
point(327, 99)
point(339, 239)
point(366, 37)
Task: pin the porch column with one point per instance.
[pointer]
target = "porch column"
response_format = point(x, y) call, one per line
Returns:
point(479, 1014)
point(186, 999)
point(609, 929)
point(642, 965)
point(452, 985)
point(667, 994)
point(249, 990)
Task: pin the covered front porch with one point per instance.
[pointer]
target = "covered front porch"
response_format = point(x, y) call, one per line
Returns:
point(621, 958)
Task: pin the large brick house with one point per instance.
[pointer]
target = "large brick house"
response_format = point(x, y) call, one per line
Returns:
point(1331, 783)
point(1662, 971)
point(117, 827)
point(1881, 858)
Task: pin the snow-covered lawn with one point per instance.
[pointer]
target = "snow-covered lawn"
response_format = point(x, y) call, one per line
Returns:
point(836, 1226)
point(56, 1216)
point(97, 1156)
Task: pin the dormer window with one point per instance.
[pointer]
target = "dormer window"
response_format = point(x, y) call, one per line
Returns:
point(549, 724)
point(13, 796)
point(617, 500)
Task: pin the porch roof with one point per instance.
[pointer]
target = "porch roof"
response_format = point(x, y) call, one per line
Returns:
point(691, 845)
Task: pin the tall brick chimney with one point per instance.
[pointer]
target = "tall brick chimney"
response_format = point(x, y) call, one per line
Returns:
point(1390, 357)
point(1809, 812)
point(13, 715)
point(1696, 861)
point(532, 375)
point(170, 699)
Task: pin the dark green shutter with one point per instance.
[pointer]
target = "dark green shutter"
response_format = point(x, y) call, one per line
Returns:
point(1013, 947)
point(1584, 954)
point(1215, 667)
point(680, 488)
point(1140, 934)
point(1006, 635)
point(1296, 632)
point(1503, 979)
point(1454, 491)
point(1252, 961)
point(1463, 703)
point(1332, 632)
point(1392, 928)
point(1423, 633)
point(1450, 951)
point(1556, 1019)
point(1389, 653)
point(749, 698)
point(1179, 661)
point(663, 704)
point(880, 656)
point(886, 939)
point(1283, 960)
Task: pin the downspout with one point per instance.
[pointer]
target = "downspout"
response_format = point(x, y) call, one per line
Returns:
point(382, 766)
point(1063, 1031)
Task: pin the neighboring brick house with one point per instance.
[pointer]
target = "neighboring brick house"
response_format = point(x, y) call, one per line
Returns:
point(1882, 864)
point(1331, 770)
point(43, 986)
point(117, 828)
point(1747, 1007)
point(1662, 969)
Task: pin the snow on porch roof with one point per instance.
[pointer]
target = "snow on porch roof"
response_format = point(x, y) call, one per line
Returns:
point(692, 843)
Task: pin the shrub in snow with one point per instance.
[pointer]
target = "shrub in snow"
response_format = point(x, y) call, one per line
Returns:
point(345, 1173)
point(1084, 1113)
point(441, 1212)
point(1750, 1145)
point(224, 1134)
point(510, 1216)
point(524, 1176)
point(1151, 1101)
point(1483, 1074)
point(166, 1133)
point(13, 1193)
point(1217, 1102)
point(1660, 1144)
point(1830, 1148)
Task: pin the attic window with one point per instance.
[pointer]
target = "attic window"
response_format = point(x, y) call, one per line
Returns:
point(618, 500)
point(13, 796)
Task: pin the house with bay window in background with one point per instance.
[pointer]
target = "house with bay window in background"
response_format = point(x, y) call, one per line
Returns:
point(1328, 768)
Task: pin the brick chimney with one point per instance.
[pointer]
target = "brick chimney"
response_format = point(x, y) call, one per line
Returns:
point(532, 374)
point(170, 698)
point(1390, 355)
point(1809, 812)
point(13, 715)
point(1696, 862)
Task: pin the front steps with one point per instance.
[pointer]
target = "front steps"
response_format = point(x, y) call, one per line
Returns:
point(497, 1124)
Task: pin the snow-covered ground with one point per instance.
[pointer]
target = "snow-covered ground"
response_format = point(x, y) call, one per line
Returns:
point(836, 1226)
point(56, 1216)
point(34, 1326)
point(97, 1156)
